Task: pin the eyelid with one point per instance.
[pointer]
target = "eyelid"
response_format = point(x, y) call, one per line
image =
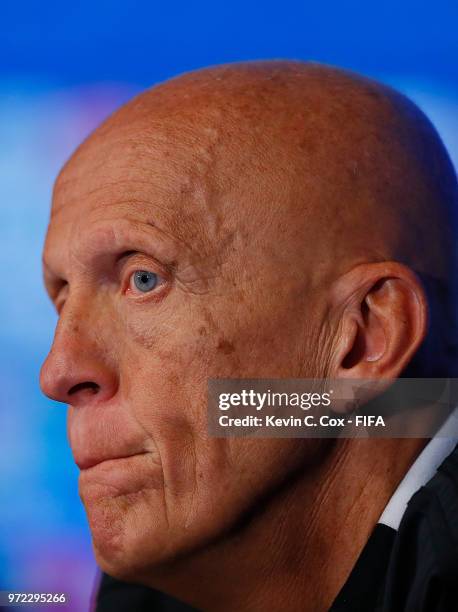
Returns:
point(132, 264)
point(143, 261)
point(158, 288)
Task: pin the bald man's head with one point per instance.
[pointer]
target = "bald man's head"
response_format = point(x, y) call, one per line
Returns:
point(267, 219)
point(355, 170)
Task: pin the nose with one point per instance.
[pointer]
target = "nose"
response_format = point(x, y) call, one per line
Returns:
point(77, 369)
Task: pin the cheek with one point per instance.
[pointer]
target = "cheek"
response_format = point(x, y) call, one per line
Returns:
point(163, 382)
point(172, 349)
point(166, 358)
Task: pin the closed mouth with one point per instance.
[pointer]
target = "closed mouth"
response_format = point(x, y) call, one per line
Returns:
point(91, 463)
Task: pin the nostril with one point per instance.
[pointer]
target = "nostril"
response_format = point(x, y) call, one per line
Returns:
point(89, 386)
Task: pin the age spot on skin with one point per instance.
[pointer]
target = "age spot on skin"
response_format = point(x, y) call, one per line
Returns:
point(225, 346)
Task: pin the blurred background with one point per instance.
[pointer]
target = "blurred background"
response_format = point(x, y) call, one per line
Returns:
point(63, 68)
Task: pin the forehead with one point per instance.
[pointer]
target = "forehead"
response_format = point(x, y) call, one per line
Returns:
point(153, 175)
point(125, 163)
point(214, 187)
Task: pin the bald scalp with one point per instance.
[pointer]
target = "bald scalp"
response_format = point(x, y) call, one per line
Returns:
point(338, 168)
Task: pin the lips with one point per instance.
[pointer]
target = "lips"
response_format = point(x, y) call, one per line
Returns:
point(104, 433)
point(87, 463)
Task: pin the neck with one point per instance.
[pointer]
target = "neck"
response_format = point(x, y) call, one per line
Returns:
point(298, 551)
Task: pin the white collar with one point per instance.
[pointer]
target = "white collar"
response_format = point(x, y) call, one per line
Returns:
point(422, 470)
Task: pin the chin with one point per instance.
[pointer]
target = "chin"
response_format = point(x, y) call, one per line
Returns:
point(129, 532)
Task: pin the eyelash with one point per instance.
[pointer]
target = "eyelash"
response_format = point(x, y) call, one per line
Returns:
point(155, 294)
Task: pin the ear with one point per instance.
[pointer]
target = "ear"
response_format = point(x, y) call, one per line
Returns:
point(382, 316)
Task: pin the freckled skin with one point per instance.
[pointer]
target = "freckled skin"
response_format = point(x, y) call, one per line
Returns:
point(249, 189)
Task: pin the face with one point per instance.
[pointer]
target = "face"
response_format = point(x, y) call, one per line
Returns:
point(165, 271)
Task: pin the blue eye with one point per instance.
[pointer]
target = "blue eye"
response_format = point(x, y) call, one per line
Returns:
point(145, 281)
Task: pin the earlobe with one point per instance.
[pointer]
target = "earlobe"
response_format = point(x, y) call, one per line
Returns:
point(383, 320)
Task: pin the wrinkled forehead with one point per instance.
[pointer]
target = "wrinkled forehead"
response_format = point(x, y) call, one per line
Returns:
point(214, 200)
point(127, 162)
point(198, 176)
point(169, 178)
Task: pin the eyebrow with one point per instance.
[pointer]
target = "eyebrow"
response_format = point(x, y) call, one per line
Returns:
point(118, 237)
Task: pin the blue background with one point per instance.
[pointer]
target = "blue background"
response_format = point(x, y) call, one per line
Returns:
point(63, 67)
